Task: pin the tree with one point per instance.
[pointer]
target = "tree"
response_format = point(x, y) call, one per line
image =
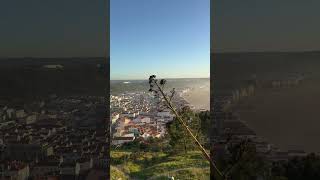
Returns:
point(179, 139)
point(205, 123)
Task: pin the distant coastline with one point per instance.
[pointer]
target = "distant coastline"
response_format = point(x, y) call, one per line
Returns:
point(198, 94)
point(146, 79)
point(199, 98)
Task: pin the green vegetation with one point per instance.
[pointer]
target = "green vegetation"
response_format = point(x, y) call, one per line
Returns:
point(117, 174)
point(159, 158)
point(159, 165)
point(176, 155)
point(179, 139)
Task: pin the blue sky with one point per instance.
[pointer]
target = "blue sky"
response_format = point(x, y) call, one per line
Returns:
point(169, 38)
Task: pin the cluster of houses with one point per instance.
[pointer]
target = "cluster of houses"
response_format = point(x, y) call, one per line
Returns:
point(137, 115)
point(49, 139)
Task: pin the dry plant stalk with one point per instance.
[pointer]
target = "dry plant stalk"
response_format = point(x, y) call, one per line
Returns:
point(160, 88)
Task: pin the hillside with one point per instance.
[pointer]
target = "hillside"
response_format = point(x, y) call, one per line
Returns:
point(157, 166)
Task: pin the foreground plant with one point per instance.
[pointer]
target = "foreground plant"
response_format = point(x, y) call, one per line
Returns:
point(157, 87)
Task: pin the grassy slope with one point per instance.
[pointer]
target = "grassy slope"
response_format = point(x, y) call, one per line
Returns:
point(156, 166)
point(117, 174)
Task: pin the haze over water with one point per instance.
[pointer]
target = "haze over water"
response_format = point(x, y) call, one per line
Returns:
point(197, 89)
point(286, 117)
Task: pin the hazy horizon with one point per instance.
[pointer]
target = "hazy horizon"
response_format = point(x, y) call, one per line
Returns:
point(198, 93)
point(145, 79)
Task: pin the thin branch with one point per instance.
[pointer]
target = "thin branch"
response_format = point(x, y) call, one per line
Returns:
point(206, 155)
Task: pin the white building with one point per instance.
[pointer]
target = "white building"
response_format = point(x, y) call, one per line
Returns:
point(145, 120)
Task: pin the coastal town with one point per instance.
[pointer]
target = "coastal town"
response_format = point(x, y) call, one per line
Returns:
point(138, 115)
point(66, 137)
point(54, 138)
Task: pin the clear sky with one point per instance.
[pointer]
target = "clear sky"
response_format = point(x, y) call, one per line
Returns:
point(169, 38)
point(268, 25)
point(54, 28)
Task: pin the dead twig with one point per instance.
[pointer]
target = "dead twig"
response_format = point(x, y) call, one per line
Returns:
point(153, 82)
